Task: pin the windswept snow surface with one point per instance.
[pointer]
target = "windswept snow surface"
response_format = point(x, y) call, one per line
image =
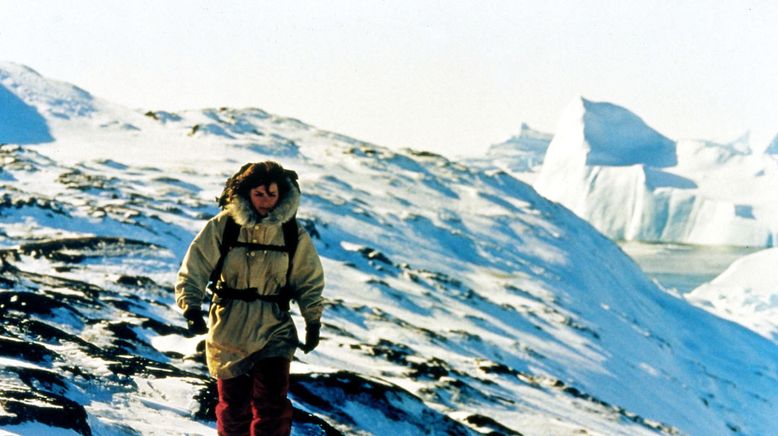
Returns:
point(632, 183)
point(459, 301)
point(745, 293)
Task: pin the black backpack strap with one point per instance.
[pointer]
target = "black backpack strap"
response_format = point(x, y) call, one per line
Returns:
point(292, 176)
point(291, 240)
point(229, 239)
point(251, 246)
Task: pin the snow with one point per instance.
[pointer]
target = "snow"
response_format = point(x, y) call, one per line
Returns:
point(175, 343)
point(135, 414)
point(745, 293)
point(34, 428)
point(454, 294)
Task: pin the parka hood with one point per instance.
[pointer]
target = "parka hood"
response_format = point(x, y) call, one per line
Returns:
point(244, 214)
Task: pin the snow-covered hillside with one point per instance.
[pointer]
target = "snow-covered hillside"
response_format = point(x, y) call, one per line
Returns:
point(632, 183)
point(745, 293)
point(459, 301)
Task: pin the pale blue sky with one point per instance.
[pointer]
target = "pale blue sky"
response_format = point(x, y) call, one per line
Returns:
point(446, 76)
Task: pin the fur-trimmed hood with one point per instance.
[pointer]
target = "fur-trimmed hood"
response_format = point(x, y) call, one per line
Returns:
point(244, 214)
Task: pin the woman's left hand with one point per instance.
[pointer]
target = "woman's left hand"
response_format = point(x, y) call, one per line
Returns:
point(311, 336)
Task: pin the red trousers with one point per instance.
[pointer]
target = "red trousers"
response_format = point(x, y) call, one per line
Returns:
point(256, 403)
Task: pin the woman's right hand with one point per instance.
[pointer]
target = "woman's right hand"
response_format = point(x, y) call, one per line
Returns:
point(195, 322)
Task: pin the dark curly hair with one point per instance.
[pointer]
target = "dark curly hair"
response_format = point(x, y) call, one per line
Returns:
point(252, 175)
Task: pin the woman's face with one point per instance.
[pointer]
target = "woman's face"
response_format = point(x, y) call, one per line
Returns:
point(264, 199)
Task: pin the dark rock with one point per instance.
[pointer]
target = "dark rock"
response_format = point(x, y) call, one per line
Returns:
point(39, 379)
point(129, 365)
point(163, 328)
point(372, 254)
point(121, 304)
point(28, 351)
point(484, 422)
point(440, 279)
point(396, 353)
point(30, 302)
point(734, 428)
point(570, 322)
point(490, 367)
point(207, 398)
point(136, 281)
point(123, 330)
point(6, 283)
point(173, 355)
point(110, 163)
point(41, 331)
point(433, 368)
point(46, 408)
point(76, 179)
point(7, 201)
point(424, 153)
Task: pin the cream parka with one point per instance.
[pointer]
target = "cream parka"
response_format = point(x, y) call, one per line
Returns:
point(242, 332)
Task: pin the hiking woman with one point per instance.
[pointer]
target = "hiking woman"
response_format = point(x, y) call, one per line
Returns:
point(244, 252)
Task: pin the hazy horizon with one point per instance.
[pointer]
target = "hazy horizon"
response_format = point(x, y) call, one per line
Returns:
point(449, 77)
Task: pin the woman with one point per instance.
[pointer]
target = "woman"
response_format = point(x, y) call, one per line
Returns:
point(252, 339)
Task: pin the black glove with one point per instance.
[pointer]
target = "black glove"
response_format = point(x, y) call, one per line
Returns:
point(195, 322)
point(311, 336)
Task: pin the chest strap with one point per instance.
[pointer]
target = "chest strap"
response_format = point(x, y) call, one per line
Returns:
point(257, 247)
point(247, 294)
point(230, 240)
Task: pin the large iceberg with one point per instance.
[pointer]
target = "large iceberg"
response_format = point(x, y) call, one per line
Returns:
point(633, 183)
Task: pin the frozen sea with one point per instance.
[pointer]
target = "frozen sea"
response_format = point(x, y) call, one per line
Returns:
point(683, 267)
